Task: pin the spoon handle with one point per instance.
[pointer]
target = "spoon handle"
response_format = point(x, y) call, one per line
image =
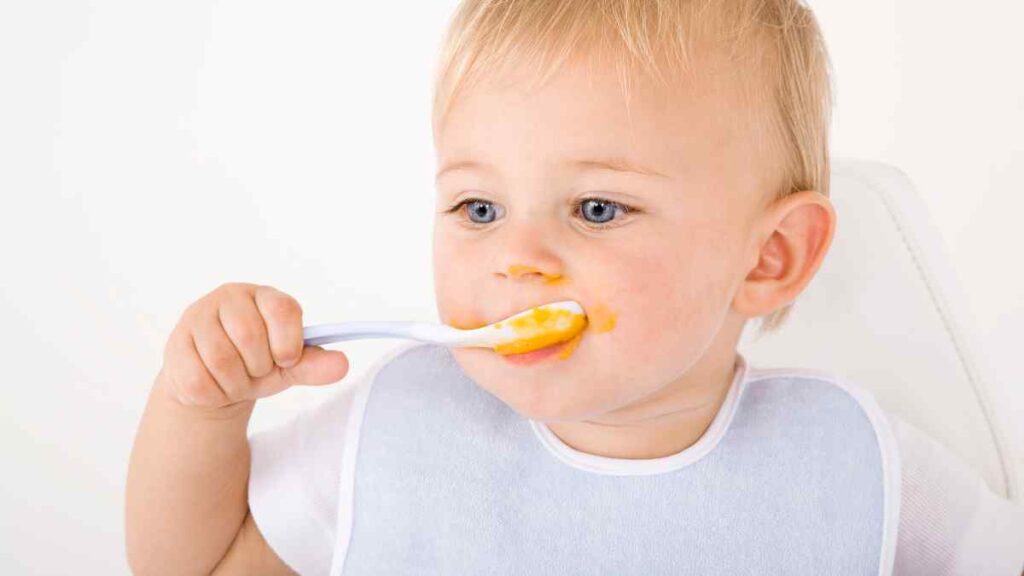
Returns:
point(326, 333)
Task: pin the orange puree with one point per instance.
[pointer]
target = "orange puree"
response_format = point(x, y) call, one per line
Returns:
point(601, 318)
point(517, 269)
point(570, 346)
point(542, 327)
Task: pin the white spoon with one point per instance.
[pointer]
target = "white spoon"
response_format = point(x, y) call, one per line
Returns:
point(529, 330)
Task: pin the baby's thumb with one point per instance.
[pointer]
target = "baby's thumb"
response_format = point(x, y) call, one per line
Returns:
point(315, 367)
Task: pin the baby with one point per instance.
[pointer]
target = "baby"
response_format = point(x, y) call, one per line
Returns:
point(665, 164)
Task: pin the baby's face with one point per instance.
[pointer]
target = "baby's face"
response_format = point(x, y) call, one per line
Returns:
point(555, 207)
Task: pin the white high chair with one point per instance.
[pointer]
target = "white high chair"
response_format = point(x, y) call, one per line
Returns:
point(885, 311)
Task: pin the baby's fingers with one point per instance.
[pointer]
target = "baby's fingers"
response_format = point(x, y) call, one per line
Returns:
point(192, 382)
point(316, 366)
point(221, 357)
point(283, 318)
point(244, 325)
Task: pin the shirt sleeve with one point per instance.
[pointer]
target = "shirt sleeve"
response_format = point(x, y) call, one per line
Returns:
point(951, 523)
point(294, 480)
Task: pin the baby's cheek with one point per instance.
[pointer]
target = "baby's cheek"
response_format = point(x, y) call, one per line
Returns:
point(641, 304)
point(452, 286)
point(455, 305)
point(657, 318)
point(460, 317)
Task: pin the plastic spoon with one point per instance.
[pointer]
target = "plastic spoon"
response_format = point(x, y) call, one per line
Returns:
point(523, 332)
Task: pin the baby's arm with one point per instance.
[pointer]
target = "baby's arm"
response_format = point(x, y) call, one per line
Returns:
point(186, 497)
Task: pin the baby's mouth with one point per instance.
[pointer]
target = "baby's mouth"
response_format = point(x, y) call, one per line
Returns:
point(545, 331)
point(598, 319)
point(560, 350)
point(542, 328)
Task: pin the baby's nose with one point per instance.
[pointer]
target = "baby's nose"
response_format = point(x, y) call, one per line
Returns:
point(518, 271)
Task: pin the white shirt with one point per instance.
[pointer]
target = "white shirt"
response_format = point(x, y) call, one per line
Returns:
point(950, 522)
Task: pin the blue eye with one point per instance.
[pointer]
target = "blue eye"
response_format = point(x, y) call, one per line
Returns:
point(599, 211)
point(480, 211)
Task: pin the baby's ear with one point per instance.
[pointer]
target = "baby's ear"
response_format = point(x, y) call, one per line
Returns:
point(794, 234)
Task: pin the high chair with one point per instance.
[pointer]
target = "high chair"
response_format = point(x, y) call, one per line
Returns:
point(886, 312)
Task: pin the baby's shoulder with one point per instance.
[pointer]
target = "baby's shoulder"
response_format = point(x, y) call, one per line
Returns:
point(812, 391)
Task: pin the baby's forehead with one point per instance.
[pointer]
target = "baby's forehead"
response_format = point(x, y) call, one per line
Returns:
point(588, 110)
point(710, 76)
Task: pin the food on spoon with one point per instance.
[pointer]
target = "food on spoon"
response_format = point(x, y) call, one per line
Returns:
point(541, 327)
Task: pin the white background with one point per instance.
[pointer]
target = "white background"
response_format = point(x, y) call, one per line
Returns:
point(150, 151)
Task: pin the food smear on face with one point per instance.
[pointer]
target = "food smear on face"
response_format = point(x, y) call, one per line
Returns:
point(518, 269)
point(542, 327)
point(602, 319)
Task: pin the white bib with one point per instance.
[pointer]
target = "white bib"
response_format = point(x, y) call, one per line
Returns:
point(796, 475)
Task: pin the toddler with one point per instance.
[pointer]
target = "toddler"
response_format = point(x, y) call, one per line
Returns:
point(665, 164)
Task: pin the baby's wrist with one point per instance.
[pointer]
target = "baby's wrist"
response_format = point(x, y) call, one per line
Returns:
point(165, 394)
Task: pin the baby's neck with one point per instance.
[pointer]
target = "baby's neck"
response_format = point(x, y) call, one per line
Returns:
point(662, 424)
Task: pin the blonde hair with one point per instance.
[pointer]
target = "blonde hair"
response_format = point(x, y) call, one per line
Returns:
point(774, 47)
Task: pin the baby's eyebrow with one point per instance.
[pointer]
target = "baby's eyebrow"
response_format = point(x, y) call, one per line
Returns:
point(460, 165)
point(612, 163)
point(615, 164)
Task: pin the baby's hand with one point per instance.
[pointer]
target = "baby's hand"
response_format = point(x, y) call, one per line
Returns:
point(241, 342)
